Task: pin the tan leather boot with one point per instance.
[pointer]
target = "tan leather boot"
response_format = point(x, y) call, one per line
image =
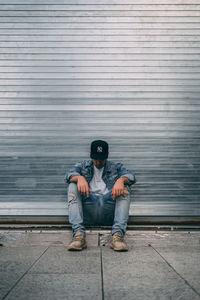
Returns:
point(117, 242)
point(78, 242)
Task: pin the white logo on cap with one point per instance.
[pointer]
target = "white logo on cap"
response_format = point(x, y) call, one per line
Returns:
point(99, 149)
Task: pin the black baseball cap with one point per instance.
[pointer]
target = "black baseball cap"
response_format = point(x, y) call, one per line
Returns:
point(99, 149)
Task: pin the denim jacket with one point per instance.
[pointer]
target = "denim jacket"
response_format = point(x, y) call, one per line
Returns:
point(112, 171)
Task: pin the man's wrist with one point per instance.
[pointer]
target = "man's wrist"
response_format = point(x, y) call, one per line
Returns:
point(75, 178)
point(123, 179)
point(80, 177)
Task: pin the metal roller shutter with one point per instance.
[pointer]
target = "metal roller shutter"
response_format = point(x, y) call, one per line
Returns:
point(124, 71)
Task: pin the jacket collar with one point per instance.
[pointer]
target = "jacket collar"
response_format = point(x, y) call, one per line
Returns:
point(106, 166)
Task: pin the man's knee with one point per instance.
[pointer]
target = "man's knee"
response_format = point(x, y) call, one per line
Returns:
point(72, 193)
point(126, 191)
point(126, 194)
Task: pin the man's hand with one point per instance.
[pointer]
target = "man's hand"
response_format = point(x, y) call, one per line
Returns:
point(119, 189)
point(82, 185)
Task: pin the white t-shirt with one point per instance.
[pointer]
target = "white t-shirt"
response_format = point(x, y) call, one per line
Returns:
point(97, 185)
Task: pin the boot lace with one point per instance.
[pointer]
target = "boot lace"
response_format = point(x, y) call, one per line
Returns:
point(117, 237)
point(78, 238)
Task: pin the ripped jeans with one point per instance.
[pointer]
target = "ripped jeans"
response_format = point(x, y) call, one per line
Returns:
point(97, 210)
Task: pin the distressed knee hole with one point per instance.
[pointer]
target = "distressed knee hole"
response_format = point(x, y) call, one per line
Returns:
point(72, 198)
point(72, 201)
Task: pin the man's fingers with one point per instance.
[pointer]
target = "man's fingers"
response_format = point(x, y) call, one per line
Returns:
point(118, 192)
point(79, 189)
point(85, 190)
point(82, 189)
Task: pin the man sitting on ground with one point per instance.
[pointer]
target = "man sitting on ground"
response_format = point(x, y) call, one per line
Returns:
point(99, 194)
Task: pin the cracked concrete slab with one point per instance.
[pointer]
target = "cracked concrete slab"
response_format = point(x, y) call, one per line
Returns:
point(158, 265)
point(58, 286)
point(144, 273)
point(58, 260)
point(141, 274)
point(58, 274)
point(184, 261)
point(14, 262)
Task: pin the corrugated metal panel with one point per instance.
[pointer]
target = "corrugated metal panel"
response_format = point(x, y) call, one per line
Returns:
point(124, 71)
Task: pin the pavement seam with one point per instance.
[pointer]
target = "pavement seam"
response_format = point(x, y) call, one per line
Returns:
point(186, 282)
point(4, 297)
point(101, 258)
point(102, 282)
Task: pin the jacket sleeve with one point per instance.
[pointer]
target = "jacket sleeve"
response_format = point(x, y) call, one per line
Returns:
point(123, 172)
point(76, 170)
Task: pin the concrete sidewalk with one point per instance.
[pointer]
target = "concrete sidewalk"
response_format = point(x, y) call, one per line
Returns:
point(159, 265)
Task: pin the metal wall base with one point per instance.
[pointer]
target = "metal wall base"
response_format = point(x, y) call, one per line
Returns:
point(133, 220)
